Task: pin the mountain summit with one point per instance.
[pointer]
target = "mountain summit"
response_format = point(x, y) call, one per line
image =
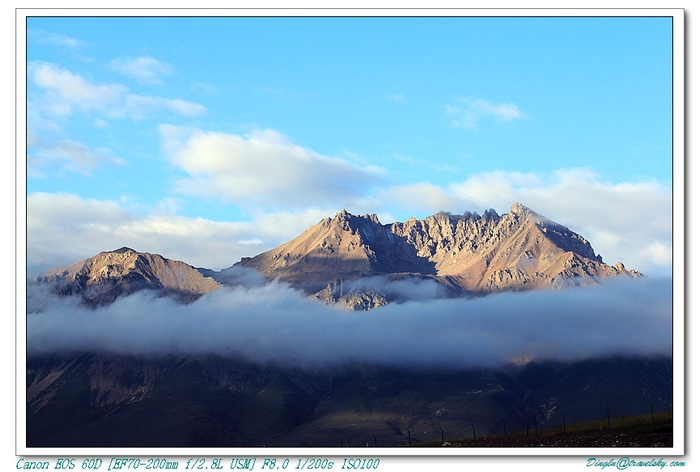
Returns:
point(106, 276)
point(472, 253)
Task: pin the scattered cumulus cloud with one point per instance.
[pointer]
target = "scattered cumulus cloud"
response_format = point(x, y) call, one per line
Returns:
point(467, 113)
point(621, 317)
point(263, 169)
point(145, 69)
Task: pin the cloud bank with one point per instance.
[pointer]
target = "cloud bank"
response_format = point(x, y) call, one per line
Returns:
point(274, 324)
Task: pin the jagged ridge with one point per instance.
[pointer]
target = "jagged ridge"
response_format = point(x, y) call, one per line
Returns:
point(473, 253)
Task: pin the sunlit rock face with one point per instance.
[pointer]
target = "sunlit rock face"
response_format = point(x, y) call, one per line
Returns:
point(468, 253)
point(108, 275)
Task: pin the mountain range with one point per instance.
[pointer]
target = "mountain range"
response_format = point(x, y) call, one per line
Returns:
point(336, 259)
point(103, 399)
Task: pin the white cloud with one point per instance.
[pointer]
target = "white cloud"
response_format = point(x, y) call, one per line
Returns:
point(468, 112)
point(620, 317)
point(65, 91)
point(628, 222)
point(145, 69)
point(263, 170)
point(502, 111)
point(65, 228)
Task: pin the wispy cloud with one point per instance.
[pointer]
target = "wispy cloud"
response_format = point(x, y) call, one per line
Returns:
point(207, 89)
point(140, 106)
point(145, 69)
point(396, 97)
point(47, 37)
point(263, 169)
point(66, 155)
point(65, 91)
point(468, 112)
point(502, 111)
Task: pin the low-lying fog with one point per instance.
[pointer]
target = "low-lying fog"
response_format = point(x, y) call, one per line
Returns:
point(273, 323)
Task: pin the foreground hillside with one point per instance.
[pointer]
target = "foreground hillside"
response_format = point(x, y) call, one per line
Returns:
point(98, 400)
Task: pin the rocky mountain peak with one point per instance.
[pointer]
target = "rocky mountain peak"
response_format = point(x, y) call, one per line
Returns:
point(103, 278)
point(519, 250)
point(519, 208)
point(349, 221)
point(521, 211)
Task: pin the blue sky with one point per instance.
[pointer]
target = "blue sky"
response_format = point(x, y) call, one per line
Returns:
point(211, 139)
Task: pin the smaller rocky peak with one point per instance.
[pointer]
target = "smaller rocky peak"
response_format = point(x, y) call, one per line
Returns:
point(620, 268)
point(349, 222)
point(521, 211)
point(373, 218)
point(443, 216)
point(342, 220)
point(490, 214)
